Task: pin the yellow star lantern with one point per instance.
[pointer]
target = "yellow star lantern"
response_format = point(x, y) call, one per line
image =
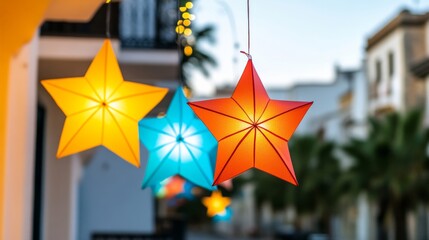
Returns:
point(216, 203)
point(102, 109)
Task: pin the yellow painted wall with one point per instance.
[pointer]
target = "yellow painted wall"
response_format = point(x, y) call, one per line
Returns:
point(18, 21)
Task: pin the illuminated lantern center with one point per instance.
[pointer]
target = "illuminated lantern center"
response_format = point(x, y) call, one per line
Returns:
point(179, 138)
point(217, 204)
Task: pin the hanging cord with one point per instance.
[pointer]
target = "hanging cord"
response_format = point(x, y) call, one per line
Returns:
point(248, 32)
point(248, 27)
point(108, 10)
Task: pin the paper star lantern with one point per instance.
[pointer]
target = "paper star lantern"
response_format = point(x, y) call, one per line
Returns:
point(159, 189)
point(188, 191)
point(170, 187)
point(216, 203)
point(175, 186)
point(184, 189)
point(178, 143)
point(252, 129)
point(102, 109)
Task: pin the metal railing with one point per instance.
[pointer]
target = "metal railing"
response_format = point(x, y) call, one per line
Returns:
point(119, 236)
point(137, 23)
point(166, 229)
point(148, 23)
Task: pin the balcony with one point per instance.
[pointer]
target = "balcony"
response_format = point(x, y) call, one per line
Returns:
point(138, 24)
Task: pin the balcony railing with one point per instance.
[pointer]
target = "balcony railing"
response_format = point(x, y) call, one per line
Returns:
point(148, 23)
point(166, 229)
point(137, 23)
point(96, 28)
point(119, 236)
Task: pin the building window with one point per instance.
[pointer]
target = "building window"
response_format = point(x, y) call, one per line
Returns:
point(377, 80)
point(391, 64)
point(148, 23)
point(138, 19)
point(391, 58)
point(378, 74)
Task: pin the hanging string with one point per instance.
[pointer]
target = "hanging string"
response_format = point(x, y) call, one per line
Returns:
point(248, 32)
point(248, 27)
point(108, 2)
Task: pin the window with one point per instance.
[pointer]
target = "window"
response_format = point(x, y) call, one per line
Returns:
point(375, 84)
point(378, 74)
point(391, 58)
point(391, 64)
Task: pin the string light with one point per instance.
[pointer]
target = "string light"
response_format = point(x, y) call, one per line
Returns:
point(188, 51)
point(186, 15)
point(187, 32)
point(189, 5)
point(180, 29)
point(186, 23)
point(183, 28)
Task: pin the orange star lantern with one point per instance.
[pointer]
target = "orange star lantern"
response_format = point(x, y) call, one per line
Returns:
point(174, 187)
point(252, 129)
point(216, 203)
point(103, 109)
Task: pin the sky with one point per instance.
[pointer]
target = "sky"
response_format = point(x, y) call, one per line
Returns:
point(292, 41)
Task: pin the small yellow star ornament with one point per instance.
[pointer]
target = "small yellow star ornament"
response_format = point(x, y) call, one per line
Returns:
point(216, 203)
point(102, 109)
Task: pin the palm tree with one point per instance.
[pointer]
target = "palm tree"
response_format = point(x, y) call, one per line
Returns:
point(317, 169)
point(199, 59)
point(281, 194)
point(189, 41)
point(364, 176)
point(391, 166)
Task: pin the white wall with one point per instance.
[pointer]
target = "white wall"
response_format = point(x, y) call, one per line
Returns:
point(104, 195)
point(111, 198)
point(59, 178)
point(359, 105)
point(244, 211)
point(394, 42)
point(325, 110)
point(77, 48)
point(20, 142)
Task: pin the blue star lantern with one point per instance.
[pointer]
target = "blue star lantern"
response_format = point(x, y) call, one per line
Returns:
point(178, 144)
